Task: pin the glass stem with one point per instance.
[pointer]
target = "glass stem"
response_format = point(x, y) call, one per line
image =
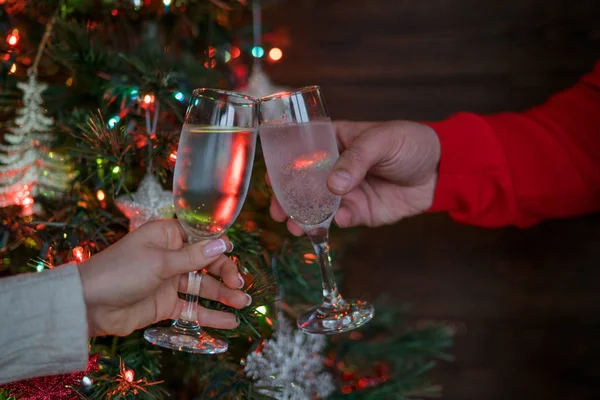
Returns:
point(332, 300)
point(188, 320)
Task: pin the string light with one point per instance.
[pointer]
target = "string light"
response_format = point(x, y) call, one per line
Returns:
point(275, 54)
point(167, 3)
point(210, 63)
point(148, 99)
point(128, 374)
point(258, 52)
point(137, 4)
point(13, 69)
point(173, 156)
point(116, 169)
point(69, 82)
point(227, 56)
point(235, 52)
point(261, 309)
point(134, 94)
point(114, 12)
point(40, 267)
point(100, 195)
point(13, 38)
point(79, 254)
point(113, 121)
point(179, 96)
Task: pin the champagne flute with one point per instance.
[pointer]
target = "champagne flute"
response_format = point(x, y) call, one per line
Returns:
point(300, 149)
point(212, 173)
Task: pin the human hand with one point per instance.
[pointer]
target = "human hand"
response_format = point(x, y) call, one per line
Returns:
point(386, 171)
point(135, 282)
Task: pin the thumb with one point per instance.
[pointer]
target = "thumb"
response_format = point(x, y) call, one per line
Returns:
point(355, 161)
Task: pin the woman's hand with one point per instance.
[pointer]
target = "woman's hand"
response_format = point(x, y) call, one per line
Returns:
point(135, 282)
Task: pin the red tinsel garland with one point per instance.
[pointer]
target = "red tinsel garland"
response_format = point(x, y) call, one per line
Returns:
point(56, 387)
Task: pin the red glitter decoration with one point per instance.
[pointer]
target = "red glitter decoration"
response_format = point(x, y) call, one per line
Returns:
point(56, 387)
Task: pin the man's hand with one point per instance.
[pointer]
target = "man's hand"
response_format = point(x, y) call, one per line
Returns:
point(386, 171)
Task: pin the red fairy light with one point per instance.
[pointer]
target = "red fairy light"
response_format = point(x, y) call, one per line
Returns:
point(310, 258)
point(128, 375)
point(79, 254)
point(13, 38)
point(173, 156)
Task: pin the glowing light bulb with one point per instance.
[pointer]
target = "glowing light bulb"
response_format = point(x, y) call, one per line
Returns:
point(258, 52)
point(173, 156)
point(40, 267)
point(100, 195)
point(116, 169)
point(148, 99)
point(114, 121)
point(13, 69)
point(167, 3)
point(275, 54)
point(179, 96)
point(261, 309)
point(13, 38)
point(128, 375)
point(227, 56)
point(235, 52)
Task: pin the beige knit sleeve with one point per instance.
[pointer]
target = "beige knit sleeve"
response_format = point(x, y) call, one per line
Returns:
point(43, 328)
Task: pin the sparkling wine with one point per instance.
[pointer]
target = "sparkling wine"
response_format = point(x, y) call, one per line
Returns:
point(212, 174)
point(299, 158)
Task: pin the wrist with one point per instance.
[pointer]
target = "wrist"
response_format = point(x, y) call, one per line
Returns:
point(89, 289)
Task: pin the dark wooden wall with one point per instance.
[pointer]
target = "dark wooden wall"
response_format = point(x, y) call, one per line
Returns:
point(527, 302)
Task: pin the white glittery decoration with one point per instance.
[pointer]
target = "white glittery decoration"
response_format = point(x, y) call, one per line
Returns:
point(259, 84)
point(291, 361)
point(150, 202)
point(27, 167)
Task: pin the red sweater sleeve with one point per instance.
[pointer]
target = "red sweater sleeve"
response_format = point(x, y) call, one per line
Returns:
point(521, 168)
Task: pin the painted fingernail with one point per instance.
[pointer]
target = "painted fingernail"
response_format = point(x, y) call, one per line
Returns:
point(340, 180)
point(249, 299)
point(231, 247)
point(214, 248)
point(241, 281)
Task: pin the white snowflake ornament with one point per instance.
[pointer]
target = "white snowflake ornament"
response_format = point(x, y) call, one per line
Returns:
point(292, 362)
point(150, 202)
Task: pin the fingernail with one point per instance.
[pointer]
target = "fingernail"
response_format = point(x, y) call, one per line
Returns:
point(249, 299)
point(241, 281)
point(340, 180)
point(231, 246)
point(214, 248)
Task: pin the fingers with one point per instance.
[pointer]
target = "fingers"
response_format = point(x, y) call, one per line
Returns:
point(360, 155)
point(210, 318)
point(225, 268)
point(277, 212)
point(194, 257)
point(294, 228)
point(212, 289)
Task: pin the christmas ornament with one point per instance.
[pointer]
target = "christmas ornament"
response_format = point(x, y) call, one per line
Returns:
point(291, 361)
point(27, 166)
point(150, 202)
point(127, 384)
point(259, 84)
point(57, 387)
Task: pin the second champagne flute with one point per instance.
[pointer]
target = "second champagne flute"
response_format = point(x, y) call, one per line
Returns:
point(300, 149)
point(212, 173)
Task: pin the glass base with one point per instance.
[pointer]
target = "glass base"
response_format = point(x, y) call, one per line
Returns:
point(324, 321)
point(191, 341)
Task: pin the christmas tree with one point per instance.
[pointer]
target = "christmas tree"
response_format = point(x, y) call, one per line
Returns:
point(119, 74)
